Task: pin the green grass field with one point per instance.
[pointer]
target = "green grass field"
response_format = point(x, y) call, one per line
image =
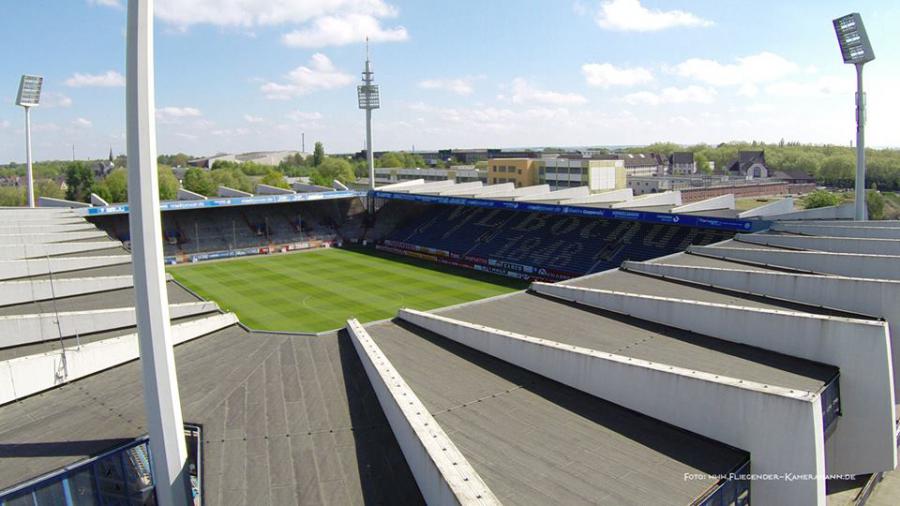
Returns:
point(318, 290)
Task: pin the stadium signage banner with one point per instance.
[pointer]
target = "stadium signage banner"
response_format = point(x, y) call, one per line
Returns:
point(181, 205)
point(593, 212)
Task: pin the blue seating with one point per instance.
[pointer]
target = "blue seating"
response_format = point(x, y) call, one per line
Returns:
point(543, 246)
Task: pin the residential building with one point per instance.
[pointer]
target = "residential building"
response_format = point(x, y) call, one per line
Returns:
point(643, 164)
point(681, 163)
point(521, 171)
point(749, 165)
point(598, 175)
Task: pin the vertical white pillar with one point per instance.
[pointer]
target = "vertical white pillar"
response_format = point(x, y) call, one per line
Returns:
point(161, 398)
point(861, 210)
point(29, 174)
point(370, 157)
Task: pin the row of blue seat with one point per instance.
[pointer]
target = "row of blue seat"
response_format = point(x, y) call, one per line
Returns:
point(571, 245)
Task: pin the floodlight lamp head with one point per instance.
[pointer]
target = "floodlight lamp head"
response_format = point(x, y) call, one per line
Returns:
point(853, 40)
point(29, 91)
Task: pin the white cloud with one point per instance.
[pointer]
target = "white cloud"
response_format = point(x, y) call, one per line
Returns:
point(630, 15)
point(320, 74)
point(524, 93)
point(253, 119)
point(170, 115)
point(758, 68)
point(5, 123)
point(606, 75)
point(343, 30)
point(250, 13)
point(52, 99)
point(303, 116)
point(824, 86)
point(105, 3)
point(183, 135)
point(458, 85)
point(108, 79)
point(672, 95)
point(82, 123)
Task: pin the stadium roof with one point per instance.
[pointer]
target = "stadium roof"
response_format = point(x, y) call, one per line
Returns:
point(296, 418)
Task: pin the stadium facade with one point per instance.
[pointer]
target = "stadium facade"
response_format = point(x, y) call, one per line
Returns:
point(664, 354)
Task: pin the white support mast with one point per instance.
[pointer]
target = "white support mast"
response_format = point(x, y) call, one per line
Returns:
point(161, 399)
point(369, 100)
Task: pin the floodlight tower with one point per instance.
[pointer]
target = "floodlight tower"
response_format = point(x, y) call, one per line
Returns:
point(367, 93)
point(856, 50)
point(162, 402)
point(29, 96)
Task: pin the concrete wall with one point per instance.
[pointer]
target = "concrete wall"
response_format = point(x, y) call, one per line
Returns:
point(189, 195)
point(21, 251)
point(97, 200)
point(225, 191)
point(848, 223)
point(603, 197)
point(839, 230)
point(24, 376)
point(781, 429)
point(19, 228)
point(844, 264)
point(51, 202)
point(18, 292)
point(830, 244)
point(841, 212)
point(864, 439)
point(651, 200)
point(516, 192)
point(17, 330)
point(12, 269)
point(566, 193)
point(443, 474)
point(872, 297)
point(461, 188)
point(710, 204)
point(264, 189)
point(29, 238)
point(772, 208)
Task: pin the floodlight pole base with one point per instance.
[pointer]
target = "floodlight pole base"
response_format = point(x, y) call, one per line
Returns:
point(861, 210)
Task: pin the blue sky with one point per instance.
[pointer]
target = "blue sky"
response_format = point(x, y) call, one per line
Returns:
point(253, 74)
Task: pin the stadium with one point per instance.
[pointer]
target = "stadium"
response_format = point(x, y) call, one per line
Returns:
point(458, 344)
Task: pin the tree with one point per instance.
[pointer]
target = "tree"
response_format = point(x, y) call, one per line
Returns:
point(79, 182)
point(275, 178)
point(333, 169)
point(168, 183)
point(875, 204)
point(48, 188)
point(117, 185)
point(199, 181)
point(231, 177)
point(318, 154)
point(702, 163)
point(390, 160)
point(11, 196)
point(821, 198)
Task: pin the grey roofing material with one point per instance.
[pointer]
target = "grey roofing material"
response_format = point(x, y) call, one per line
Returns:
point(535, 441)
point(123, 297)
point(624, 281)
point(286, 420)
point(53, 343)
point(536, 316)
point(112, 251)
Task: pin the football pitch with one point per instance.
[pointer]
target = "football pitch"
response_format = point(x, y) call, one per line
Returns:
point(319, 290)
